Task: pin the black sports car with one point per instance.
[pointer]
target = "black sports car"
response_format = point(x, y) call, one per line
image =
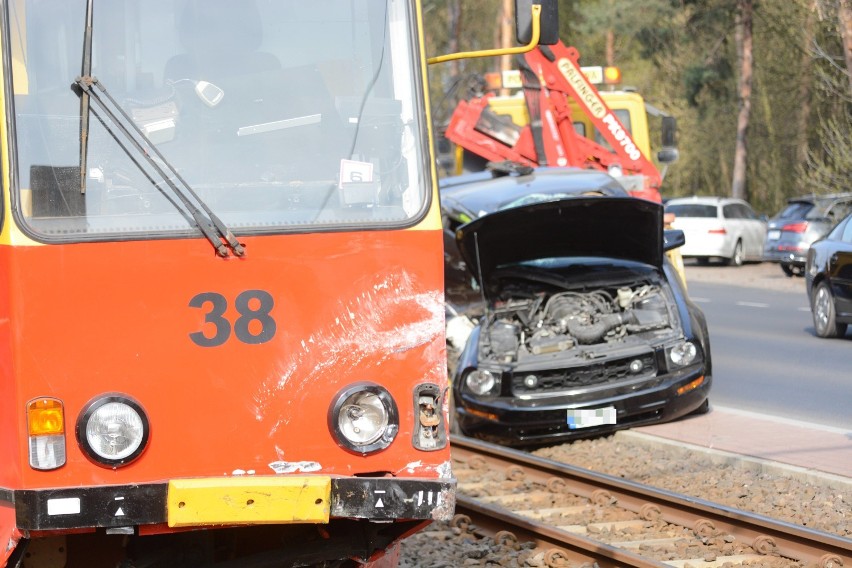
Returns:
point(586, 326)
point(828, 277)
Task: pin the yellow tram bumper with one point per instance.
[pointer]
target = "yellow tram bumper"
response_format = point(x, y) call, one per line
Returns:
point(248, 500)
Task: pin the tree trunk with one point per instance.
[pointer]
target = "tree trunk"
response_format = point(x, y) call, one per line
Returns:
point(844, 16)
point(610, 47)
point(739, 188)
point(805, 81)
point(610, 39)
point(454, 15)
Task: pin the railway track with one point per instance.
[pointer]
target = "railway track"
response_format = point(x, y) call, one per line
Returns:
point(578, 517)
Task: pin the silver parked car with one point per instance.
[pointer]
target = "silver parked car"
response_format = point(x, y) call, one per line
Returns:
point(804, 220)
point(718, 228)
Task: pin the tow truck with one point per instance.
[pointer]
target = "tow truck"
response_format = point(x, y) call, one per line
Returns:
point(560, 118)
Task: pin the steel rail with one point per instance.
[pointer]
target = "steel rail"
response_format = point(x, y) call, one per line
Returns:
point(492, 521)
point(762, 533)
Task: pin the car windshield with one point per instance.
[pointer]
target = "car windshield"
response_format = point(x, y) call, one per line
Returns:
point(542, 197)
point(281, 115)
point(692, 210)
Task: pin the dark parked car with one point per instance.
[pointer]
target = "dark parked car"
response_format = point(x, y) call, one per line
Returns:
point(828, 276)
point(803, 221)
point(587, 327)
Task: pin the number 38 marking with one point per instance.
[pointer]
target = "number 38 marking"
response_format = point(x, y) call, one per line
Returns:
point(252, 305)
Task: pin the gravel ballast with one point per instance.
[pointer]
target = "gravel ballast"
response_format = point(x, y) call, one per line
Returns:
point(804, 498)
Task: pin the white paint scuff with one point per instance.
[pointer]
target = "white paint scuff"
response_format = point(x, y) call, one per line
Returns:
point(363, 334)
point(294, 467)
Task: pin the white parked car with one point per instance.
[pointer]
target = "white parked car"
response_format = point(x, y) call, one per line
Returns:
point(718, 228)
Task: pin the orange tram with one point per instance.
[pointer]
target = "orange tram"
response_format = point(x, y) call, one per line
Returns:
point(221, 305)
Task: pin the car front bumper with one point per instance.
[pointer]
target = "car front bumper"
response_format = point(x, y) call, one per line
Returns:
point(515, 422)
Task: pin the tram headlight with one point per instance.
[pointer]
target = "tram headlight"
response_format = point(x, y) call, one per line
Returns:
point(113, 430)
point(364, 418)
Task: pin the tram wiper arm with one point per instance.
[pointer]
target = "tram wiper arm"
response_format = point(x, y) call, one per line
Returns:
point(219, 235)
point(84, 98)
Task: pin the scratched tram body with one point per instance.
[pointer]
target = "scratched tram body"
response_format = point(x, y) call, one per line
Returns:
point(221, 303)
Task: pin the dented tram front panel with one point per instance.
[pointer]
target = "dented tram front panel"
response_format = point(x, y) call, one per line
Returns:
point(157, 377)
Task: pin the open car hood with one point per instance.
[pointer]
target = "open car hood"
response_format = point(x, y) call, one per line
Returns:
point(624, 228)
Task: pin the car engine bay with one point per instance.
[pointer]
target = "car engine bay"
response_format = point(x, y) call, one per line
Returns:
point(587, 324)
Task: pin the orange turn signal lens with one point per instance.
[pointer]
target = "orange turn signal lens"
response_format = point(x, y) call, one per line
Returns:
point(612, 75)
point(691, 386)
point(493, 81)
point(45, 417)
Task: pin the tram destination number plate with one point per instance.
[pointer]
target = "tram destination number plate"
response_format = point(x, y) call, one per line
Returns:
point(588, 417)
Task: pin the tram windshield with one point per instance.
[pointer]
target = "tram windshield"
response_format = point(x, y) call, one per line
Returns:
point(279, 115)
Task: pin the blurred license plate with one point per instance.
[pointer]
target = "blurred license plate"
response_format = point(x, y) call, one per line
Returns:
point(586, 418)
point(773, 235)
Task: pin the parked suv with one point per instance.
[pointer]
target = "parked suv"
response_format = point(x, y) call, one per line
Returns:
point(803, 221)
point(718, 227)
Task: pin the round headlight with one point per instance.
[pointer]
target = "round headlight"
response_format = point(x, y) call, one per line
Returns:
point(480, 381)
point(364, 418)
point(683, 354)
point(113, 430)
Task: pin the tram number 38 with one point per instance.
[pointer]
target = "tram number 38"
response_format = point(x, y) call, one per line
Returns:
point(254, 324)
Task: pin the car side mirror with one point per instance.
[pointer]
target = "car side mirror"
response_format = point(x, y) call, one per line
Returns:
point(668, 140)
point(672, 239)
point(668, 134)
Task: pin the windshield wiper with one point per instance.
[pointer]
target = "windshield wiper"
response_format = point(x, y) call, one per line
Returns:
point(205, 219)
point(213, 229)
point(84, 97)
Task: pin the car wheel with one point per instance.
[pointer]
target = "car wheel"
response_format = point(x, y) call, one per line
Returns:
point(788, 270)
point(825, 322)
point(737, 257)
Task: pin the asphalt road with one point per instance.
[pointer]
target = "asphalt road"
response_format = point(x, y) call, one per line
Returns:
point(766, 357)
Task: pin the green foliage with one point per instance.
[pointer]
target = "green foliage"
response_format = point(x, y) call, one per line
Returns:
point(712, 80)
point(829, 169)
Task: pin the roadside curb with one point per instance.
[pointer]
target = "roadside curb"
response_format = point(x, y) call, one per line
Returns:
point(749, 463)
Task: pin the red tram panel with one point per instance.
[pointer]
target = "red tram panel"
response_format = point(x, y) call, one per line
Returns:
point(279, 394)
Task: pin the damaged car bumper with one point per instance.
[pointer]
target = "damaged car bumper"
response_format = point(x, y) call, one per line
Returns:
point(530, 420)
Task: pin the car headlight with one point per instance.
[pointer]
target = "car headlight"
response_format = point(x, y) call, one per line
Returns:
point(682, 354)
point(364, 418)
point(113, 430)
point(482, 382)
